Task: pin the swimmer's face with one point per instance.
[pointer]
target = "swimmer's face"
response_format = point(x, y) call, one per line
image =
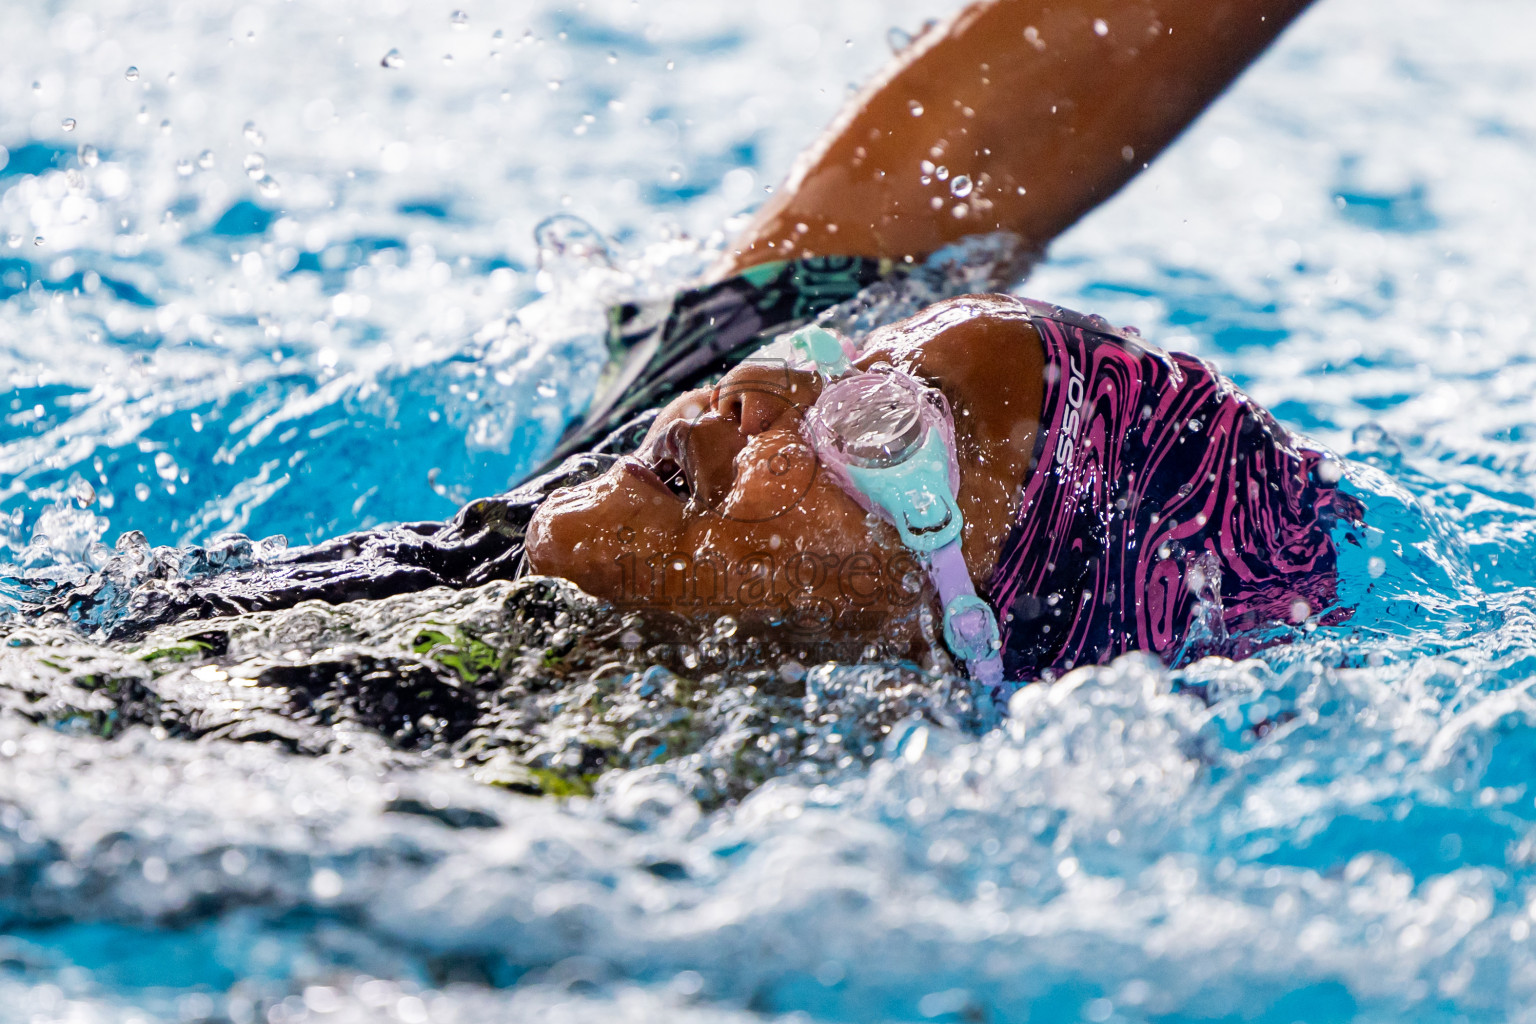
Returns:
point(724, 509)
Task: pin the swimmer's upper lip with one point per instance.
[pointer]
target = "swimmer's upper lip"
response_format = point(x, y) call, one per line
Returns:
point(661, 464)
point(672, 452)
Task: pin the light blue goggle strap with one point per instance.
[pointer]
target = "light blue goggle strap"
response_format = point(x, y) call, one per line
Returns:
point(915, 496)
point(822, 349)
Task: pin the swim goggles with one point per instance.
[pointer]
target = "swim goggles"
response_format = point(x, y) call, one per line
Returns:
point(889, 441)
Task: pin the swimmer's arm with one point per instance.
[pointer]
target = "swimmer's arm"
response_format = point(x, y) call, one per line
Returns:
point(1047, 108)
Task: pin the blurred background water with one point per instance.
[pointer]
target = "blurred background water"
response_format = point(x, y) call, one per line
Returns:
point(270, 267)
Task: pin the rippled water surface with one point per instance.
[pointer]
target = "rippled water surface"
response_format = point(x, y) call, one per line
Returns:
point(270, 268)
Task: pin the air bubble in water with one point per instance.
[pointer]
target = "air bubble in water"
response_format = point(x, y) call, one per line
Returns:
point(915, 107)
point(725, 627)
point(184, 167)
point(1100, 27)
point(253, 134)
point(39, 240)
point(68, 124)
point(88, 156)
point(459, 19)
point(132, 74)
point(960, 187)
point(165, 466)
point(898, 38)
point(268, 186)
point(13, 240)
point(205, 159)
point(392, 59)
point(141, 491)
point(255, 165)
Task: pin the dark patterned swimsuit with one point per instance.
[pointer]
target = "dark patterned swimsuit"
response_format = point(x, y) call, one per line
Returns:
point(1165, 512)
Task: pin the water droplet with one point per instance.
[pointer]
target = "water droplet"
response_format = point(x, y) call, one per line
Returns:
point(39, 240)
point(268, 186)
point(253, 134)
point(165, 127)
point(184, 167)
point(1100, 27)
point(613, 58)
point(725, 627)
point(88, 156)
point(960, 187)
point(68, 124)
point(132, 74)
point(941, 172)
point(325, 885)
point(459, 19)
point(13, 240)
point(205, 159)
point(141, 491)
point(915, 107)
point(392, 59)
point(255, 165)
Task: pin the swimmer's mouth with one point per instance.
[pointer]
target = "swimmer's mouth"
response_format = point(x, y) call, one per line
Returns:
point(674, 478)
point(670, 464)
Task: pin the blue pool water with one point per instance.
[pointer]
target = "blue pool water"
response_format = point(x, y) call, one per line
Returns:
point(280, 278)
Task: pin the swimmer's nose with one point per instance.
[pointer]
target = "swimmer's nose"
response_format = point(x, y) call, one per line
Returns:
point(755, 399)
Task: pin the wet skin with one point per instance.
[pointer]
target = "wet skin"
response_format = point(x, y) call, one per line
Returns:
point(1044, 108)
point(724, 509)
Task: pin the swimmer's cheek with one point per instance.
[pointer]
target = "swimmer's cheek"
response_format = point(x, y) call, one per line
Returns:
point(774, 476)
